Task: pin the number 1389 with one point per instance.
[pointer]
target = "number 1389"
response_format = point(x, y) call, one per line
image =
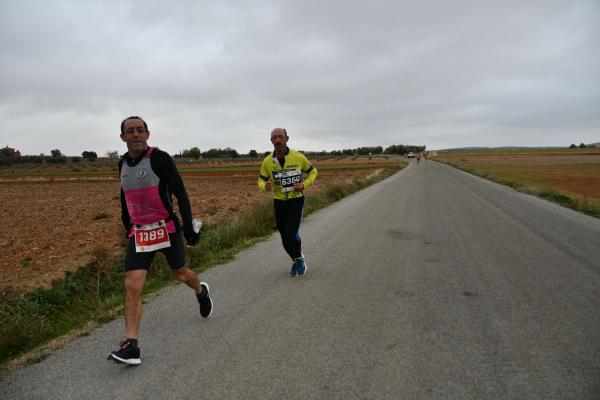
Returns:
point(149, 236)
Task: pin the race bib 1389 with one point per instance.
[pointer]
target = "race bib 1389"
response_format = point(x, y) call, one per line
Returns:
point(151, 237)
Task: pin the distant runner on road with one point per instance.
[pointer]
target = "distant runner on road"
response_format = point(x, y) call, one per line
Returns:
point(148, 178)
point(288, 173)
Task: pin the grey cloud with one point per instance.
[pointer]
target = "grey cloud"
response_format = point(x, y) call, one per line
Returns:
point(337, 74)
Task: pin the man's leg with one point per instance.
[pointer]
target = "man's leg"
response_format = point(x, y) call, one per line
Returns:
point(187, 276)
point(179, 263)
point(293, 237)
point(293, 234)
point(281, 220)
point(129, 352)
point(135, 277)
point(134, 284)
point(292, 227)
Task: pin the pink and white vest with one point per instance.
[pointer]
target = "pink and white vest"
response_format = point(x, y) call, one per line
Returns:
point(141, 187)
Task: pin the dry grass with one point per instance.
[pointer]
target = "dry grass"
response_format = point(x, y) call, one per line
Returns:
point(572, 172)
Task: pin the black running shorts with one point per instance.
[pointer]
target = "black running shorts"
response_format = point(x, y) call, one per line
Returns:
point(176, 257)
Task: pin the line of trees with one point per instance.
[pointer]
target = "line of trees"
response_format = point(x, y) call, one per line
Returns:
point(9, 156)
point(400, 149)
point(228, 152)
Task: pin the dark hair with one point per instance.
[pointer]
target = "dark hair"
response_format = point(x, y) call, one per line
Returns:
point(132, 117)
point(284, 131)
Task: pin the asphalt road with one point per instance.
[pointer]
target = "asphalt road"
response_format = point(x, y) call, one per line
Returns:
point(432, 284)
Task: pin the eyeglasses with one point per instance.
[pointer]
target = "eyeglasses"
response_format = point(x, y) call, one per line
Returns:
point(138, 129)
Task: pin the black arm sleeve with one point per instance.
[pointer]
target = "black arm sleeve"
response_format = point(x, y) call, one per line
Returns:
point(165, 168)
point(124, 212)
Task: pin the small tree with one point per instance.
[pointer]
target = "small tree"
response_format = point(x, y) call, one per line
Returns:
point(573, 146)
point(56, 153)
point(212, 153)
point(9, 156)
point(253, 153)
point(195, 153)
point(89, 155)
point(229, 152)
point(582, 146)
point(113, 155)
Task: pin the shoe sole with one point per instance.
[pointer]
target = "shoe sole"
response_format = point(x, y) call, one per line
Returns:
point(119, 360)
point(211, 303)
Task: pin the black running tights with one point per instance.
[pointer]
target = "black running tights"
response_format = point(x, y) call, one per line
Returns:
point(288, 214)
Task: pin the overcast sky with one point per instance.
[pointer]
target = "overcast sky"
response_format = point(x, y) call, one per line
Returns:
point(336, 74)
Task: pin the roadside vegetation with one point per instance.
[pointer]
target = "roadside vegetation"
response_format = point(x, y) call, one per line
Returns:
point(107, 167)
point(569, 177)
point(94, 293)
point(12, 159)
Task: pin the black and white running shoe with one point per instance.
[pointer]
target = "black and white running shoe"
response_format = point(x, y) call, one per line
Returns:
point(204, 300)
point(127, 354)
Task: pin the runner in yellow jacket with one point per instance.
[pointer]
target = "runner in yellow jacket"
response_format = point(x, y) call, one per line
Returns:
point(287, 173)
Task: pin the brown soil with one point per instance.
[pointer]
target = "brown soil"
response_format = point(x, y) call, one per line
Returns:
point(53, 225)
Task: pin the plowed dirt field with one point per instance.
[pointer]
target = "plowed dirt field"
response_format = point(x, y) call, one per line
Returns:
point(49, 225)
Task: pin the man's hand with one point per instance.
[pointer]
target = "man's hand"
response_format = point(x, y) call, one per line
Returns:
point(192, 239)
point(269, 185)
point(298, 187)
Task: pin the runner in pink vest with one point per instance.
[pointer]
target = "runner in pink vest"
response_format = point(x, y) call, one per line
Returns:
point(149, 178)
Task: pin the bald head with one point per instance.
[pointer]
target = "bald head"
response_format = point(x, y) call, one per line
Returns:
point(279, 131)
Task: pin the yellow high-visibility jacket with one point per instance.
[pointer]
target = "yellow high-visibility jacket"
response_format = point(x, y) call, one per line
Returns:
point(296, 169)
